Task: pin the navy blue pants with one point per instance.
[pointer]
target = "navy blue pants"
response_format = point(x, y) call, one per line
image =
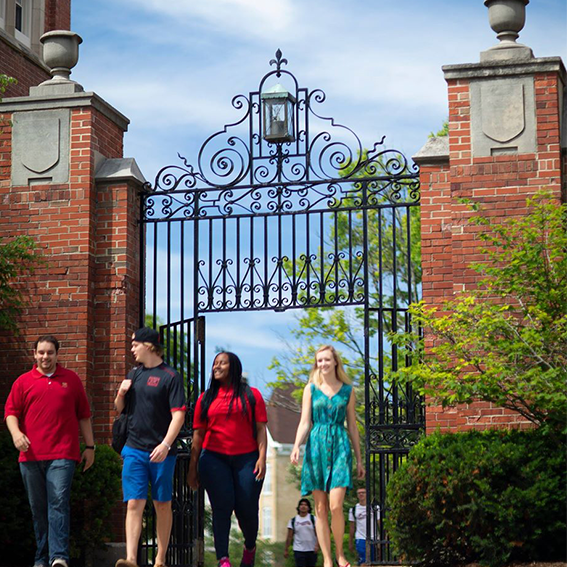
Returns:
point(231, 485)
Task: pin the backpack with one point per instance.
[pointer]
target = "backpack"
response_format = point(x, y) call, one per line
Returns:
point(293, 522)
point(353, 510)
point(252, 402)
point(120, 425)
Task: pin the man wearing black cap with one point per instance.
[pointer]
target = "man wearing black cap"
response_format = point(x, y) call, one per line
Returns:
point(156, 412)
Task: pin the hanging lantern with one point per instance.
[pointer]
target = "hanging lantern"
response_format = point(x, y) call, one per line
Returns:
point(278, 107)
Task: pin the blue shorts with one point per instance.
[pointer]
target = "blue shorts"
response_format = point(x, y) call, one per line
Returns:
point(361, 550)
point(138, 472)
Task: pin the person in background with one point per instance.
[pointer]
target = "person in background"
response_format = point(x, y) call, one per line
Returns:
point(357, 533)
point(301, 530)
point(44, 412)
point(328, 400)
point(228, 454)
point(155, 416)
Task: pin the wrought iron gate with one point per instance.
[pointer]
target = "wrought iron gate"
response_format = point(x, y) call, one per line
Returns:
point(285, 209)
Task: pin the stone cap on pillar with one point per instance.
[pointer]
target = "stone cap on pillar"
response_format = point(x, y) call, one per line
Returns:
point(434, 152)
point(72, 100)
point(113, 170)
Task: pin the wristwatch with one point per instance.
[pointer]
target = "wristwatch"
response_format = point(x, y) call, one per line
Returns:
point(93, 447)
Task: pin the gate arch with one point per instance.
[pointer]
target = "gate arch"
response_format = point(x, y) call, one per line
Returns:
point(308, 220)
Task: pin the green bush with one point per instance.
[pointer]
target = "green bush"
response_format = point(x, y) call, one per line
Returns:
point(93, 497)
point(492, 497)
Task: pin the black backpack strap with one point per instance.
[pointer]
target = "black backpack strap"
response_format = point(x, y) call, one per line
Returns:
point(137, 372)
point(312, 519)
point(293, 524)
point(252, 402)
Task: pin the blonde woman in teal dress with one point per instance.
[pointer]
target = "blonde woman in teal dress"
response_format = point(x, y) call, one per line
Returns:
point(328, 400)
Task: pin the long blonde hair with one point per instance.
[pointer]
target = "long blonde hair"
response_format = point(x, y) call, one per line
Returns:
point(315, 375)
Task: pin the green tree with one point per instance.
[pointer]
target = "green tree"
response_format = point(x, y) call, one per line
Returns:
point(443, 131)
point(18, 257)
point(391, 245)
point(506, 341)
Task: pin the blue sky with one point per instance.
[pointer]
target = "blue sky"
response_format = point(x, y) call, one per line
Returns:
point(173, 67)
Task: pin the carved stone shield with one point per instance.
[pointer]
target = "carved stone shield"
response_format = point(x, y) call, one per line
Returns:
point(502, 104)
point(42, 136)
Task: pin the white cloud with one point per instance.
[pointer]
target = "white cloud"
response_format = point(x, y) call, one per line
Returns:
point(260, 19)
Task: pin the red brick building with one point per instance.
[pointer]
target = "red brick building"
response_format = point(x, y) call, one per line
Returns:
point(64, 181)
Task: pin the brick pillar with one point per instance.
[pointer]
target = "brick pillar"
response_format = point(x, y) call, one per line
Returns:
point(64, 182)
point(504, 145)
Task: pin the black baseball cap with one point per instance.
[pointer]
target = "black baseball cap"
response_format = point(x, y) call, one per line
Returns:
point(147, 335)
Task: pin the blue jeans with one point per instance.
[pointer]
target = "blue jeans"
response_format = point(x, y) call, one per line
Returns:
point(231, 485)
point(48, 485)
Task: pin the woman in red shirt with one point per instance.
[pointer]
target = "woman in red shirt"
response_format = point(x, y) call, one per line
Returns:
point(228, 454)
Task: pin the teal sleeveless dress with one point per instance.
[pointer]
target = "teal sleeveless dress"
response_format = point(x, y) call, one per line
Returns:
point(327, 462)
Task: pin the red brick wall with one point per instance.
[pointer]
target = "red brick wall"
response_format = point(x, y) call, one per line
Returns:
point(87, 293)
point(500, 184)
point(25, 68)
point(115, 295)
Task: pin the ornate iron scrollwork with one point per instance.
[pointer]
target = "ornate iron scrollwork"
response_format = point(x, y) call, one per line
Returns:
point(238, 171)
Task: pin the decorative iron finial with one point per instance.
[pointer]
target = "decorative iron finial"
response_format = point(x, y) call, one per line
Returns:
point(278, 61)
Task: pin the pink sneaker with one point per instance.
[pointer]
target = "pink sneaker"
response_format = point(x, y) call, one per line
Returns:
point(224, 562)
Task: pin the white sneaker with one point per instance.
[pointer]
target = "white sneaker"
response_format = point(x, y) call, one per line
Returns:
point(59, 563)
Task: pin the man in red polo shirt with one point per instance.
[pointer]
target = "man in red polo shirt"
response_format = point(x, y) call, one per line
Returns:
point(44, 412)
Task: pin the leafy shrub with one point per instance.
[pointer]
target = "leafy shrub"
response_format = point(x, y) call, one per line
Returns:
point(492, 497)
point(93, 497)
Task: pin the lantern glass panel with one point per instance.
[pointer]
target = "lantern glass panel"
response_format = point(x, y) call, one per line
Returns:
point(278, 119)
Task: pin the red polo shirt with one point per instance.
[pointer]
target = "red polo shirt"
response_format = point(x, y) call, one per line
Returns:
point(230, 434)
point(48, 411)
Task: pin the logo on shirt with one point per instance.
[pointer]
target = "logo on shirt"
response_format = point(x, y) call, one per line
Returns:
point(63, 384)
point(303, 523)
point(153, 381)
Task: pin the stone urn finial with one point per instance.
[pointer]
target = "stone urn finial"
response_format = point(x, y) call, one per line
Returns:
point(507, 18)
point(60, 52)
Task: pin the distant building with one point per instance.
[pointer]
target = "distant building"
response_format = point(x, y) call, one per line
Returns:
point(280, 493)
